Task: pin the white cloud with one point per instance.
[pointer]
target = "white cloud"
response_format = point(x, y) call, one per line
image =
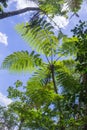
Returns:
point(24, 3)
point(20, 4)
point(61, 21)
point(4, 100)
point(3, 38)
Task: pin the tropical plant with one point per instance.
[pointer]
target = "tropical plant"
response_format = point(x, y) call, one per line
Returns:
point(51, 93)
point(40, 35)
point(50, 74)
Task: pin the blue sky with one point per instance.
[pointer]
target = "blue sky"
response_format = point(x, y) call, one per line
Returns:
point(10, 42)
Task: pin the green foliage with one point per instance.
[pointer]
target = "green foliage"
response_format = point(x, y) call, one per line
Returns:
point(34, 112)
point(65, 76)
point(54, 7)
point(68, 46)
point(81, 33)
point(40, 102)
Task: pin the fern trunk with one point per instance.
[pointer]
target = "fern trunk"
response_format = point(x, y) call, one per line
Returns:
point(53, 78)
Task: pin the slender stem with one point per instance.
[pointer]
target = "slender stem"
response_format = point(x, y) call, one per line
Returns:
point(53, 78)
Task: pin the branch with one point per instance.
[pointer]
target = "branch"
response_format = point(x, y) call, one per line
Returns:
point(13, 13)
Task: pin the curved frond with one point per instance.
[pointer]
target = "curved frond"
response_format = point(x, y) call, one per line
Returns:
point(22, 61)
point(39, 34)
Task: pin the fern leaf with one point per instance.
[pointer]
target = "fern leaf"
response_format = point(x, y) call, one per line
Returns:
point(40, 36)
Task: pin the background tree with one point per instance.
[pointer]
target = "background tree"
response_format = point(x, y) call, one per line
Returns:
point(8, 119)
point(80, 31)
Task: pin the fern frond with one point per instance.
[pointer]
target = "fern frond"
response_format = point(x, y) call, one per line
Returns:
point(22, 61)
point(39, 34)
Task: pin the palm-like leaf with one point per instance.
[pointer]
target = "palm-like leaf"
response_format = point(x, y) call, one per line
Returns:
point(22, 61)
